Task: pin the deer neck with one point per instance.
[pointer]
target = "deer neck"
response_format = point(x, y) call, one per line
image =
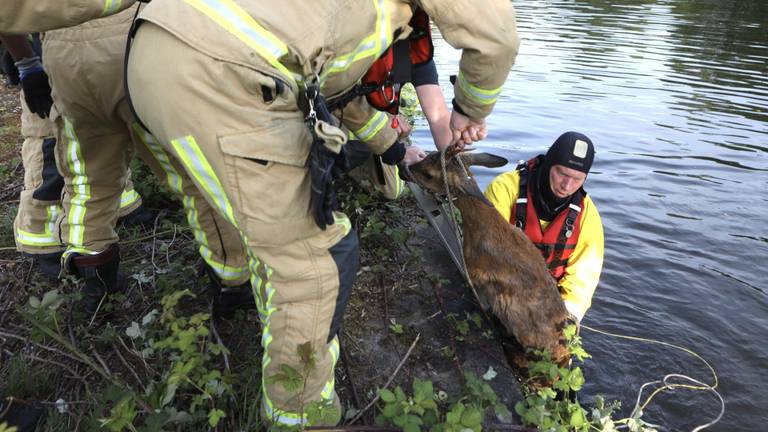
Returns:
point(477, 217)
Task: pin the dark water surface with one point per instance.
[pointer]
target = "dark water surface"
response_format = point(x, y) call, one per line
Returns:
point(674, 95)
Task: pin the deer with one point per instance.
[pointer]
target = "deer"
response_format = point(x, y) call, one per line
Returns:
point(507, 271)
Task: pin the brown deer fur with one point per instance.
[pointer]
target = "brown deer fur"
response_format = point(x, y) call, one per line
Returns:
point(508, 272)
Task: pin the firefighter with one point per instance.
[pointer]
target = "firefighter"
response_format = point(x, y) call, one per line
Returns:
point(237, 91)
point(407, 61)
point(35, 225)
point(545, 198)
point(97, 136)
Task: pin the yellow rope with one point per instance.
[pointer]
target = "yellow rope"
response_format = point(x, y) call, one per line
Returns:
point(665, 381)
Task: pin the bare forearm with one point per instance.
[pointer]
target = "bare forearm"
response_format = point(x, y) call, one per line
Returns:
point(436, 112)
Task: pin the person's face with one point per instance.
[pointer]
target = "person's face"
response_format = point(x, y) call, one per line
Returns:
point(565, 181)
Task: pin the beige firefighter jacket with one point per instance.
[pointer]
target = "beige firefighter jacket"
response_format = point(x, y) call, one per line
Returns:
point(29, 16)
point(295, 41)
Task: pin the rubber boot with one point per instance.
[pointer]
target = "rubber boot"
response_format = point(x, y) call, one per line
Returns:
point(22, 415)
point(228, 299)
point(141, 217)
point(101, 276)
point(48, 264)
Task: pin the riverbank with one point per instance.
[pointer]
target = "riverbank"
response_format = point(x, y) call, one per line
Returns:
point(410, 320)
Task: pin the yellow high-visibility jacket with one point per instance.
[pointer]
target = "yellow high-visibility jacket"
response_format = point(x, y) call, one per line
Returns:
point(582, 272)
point(20, 16)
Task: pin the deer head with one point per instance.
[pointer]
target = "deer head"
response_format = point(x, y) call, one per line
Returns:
point(429, 172)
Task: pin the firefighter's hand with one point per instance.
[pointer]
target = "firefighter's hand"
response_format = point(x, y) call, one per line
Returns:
point(466, 130)
point(413, 154)
point(34, 84)
point(403, 127)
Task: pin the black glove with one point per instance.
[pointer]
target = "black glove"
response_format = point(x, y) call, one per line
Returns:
point(325, 166)
point(34, 83)
point(394, 154)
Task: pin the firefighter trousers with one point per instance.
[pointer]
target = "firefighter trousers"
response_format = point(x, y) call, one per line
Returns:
point(241, 139)
point(97, 136)
point(36, 222)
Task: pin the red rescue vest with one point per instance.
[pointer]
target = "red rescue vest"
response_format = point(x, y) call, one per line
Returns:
point(559, 239)
point(392, 69)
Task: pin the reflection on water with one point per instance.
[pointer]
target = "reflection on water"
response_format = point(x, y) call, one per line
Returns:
point(674, 93)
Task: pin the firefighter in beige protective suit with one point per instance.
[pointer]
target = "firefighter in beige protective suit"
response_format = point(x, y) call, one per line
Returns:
point(98, 136)
point(35, 225)
point(236, 89)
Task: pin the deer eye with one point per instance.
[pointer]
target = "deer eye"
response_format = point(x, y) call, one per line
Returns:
point(428, 176)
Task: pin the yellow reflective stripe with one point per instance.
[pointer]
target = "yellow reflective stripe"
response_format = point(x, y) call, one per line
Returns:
point(172, 176)
point(174, 181)
point(128, 197)
point(342, 219)
point(372, 46)
point(399, 183)
point(223, 271)
point(110, 7)
point(78, 251)
point(481, 96)
point(80, 185)
point(333, 350)
point(47, 238)
point(236, 21)
point(372, 126)
point(197, 165)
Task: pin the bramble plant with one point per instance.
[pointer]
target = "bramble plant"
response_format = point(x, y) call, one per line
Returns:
point(553, 409)
point(426, 409)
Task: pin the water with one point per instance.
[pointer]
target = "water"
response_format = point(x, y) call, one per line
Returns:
point(674, 95)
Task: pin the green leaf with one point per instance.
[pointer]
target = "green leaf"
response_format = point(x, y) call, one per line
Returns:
point(471, 417)
point(387, 395)
point(214, 416)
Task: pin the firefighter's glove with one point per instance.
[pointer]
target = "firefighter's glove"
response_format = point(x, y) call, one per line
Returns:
point(327, 162)
point(34, 84)
point(394, 154)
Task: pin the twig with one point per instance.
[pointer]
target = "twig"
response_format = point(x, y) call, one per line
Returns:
point(220, 342)
point(128, 366)
point(141, 239)
point(135, 354)
point(62, 366)
point(345, 361)
point(389, 381)
point(84, 358)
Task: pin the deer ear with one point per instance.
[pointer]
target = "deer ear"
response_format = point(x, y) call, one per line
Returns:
point(451, 151)
point(486, 160)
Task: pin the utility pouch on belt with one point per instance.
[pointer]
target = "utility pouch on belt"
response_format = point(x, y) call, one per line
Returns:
point(327, 159)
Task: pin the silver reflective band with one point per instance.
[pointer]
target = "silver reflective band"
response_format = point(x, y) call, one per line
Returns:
point(575, 207)
point(521, 200)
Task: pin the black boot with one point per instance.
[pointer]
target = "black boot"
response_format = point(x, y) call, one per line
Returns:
point(101, 276)
point(141, 217)
point(48, 264)
point(20, 414)
point(228, 299)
